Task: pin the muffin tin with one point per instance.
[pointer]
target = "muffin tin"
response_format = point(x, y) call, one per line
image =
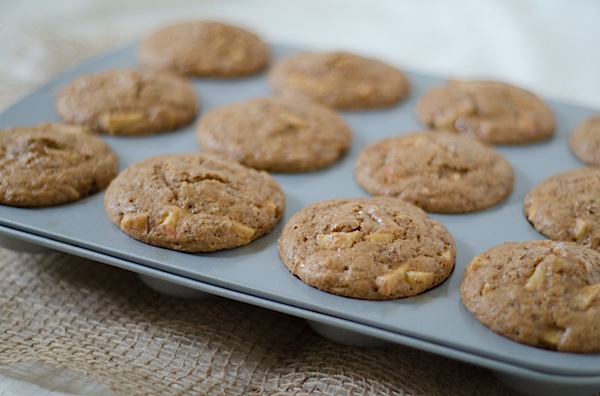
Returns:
point(435, 321)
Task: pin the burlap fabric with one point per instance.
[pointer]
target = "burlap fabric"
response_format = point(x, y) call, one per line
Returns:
point(103, 323)
point(88, 328)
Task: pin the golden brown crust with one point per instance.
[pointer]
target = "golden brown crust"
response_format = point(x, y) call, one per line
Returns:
point(205, 49)
point(540, 293)
point(194, 202)
point(377, 248)
point(52, 164)
point(493, 112)
point(565, 207)
point(585, 140)
point(439, 172)
point(339, 80)
point(276, 134)
point(128, 102)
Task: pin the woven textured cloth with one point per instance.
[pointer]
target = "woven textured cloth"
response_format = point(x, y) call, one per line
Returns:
point(112, 333)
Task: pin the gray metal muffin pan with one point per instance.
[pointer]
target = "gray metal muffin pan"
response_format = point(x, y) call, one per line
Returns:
point(435, 321)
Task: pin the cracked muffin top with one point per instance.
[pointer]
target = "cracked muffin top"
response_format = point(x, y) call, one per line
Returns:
point(128, 102)
point(439, 172)
point(194, 202)
point(493, 112)
point(339, 80)
point(378, 248)
point(204, 49)
point(276, 134)
point(540, 293)
point(51, 164)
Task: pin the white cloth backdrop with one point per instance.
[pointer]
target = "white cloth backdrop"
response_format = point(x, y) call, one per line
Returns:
point(549, 46)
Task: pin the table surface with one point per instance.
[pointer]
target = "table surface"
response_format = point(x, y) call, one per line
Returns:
point(72, 325)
